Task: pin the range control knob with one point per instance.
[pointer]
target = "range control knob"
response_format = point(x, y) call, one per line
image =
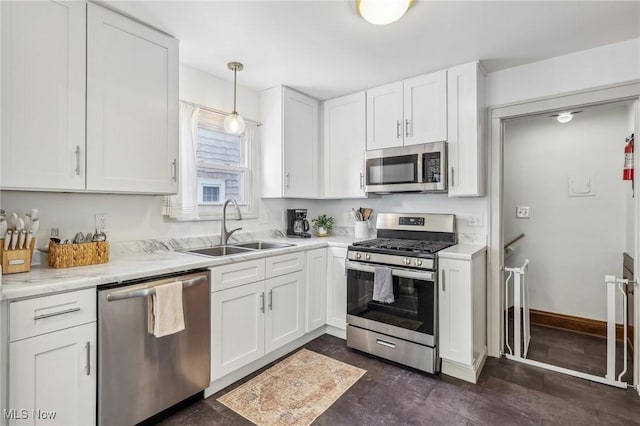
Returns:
point(358, 256)
point(418, 262)
point(368, 257)
point(407, 261)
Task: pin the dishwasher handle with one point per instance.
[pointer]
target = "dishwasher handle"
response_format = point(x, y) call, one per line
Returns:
point(150, 290)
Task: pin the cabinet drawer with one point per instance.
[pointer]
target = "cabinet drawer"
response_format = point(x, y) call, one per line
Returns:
point(284, 264)
point(41, 315)
point(235, 274)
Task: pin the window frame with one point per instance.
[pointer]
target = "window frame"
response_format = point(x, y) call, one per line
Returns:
point(214, 121)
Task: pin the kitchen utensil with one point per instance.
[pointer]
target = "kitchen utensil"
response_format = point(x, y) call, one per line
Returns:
point(21, 238)
point(29, 238)
point(367, 213)
point(13, 220)
point(14, 239)
point(35, 225)
point(34, 214)
point(88, 237)
point(20, 224)
point(99, 236)
point(7, 239)
point(79, 238)
point(3, 227)
point(27, 221)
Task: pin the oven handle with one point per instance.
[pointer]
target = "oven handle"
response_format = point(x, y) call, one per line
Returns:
point(398, 272)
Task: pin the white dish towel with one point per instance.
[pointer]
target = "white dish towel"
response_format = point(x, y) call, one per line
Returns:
point(383, 285)
point(166, 315)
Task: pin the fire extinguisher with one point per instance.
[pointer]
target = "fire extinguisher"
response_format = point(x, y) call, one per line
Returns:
point(627, 173)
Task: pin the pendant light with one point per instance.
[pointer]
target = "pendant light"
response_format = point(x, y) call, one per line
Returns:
point(234, 123)
point(382, 12)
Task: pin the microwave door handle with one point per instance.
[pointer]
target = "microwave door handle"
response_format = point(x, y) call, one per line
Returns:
point(397, 272)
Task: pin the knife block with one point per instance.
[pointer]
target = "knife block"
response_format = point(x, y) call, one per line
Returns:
point(15, 261)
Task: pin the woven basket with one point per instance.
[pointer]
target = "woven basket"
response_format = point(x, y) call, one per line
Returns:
point(80, 254)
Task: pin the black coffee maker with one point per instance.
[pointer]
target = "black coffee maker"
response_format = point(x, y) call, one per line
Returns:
point(297, 223)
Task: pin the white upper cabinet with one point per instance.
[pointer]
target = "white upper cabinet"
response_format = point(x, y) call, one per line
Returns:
point(384, 116)
point(289, 137)
point(89, 100)
point(132, 105)
point(344, 146)
point(43, 91)
point(425, 108)
point(465, 130)
point(409, 112)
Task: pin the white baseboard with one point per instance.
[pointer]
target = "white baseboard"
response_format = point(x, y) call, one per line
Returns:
point(337, 332)
point(469, 373)
point(238, 374)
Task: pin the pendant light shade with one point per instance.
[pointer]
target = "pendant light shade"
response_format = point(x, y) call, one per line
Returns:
point(234, 123)
point(382, 12)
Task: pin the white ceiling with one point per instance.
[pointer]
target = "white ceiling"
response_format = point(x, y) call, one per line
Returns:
point(323, 48)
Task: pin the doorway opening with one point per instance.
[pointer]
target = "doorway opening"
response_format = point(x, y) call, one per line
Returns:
point(567, 211)
point(579, 182)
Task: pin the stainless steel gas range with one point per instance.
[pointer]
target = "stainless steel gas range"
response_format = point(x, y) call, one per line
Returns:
point(402, 263)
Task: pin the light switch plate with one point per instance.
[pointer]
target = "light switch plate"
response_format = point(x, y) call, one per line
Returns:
point(522, 212)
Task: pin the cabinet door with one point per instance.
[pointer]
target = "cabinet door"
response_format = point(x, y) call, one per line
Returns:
point(384, 116)
point(456, 311)
point(132, 105)
point(43, 90)
point(300, 144)
point(425, 108)
point(336, 288)
point(316, 289)
point(237, 328)
point(285, 310)
point(54, 372)
point(465, 138)
point(344, 146)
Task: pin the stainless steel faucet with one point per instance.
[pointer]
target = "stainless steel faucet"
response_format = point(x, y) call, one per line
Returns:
point(224, 234)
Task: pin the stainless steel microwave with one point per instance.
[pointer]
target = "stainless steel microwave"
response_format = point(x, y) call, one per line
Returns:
point(414, 168)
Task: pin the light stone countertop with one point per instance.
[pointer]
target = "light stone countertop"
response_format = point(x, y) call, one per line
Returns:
point(148, 258)
point(462, 251)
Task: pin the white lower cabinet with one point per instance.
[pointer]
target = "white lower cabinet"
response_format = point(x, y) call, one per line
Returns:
point(237, 327)
point(52, 378)
point(250, 320)
point(285, 310)
point(336, 288)
point(316, 294)
point(462, 312)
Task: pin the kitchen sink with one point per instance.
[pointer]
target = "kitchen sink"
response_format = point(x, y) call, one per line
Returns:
point(239, 248)
point(220, 251)
point(262, 245)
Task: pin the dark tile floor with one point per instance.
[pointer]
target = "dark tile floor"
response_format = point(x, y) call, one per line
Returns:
point(508, 393)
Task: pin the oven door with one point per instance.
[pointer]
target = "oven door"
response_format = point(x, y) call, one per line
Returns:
point(394, 170)
point(413, 314)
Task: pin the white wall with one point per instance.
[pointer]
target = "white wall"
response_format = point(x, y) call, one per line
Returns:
point(572, 242)
point(613, 63)
point(632, 233)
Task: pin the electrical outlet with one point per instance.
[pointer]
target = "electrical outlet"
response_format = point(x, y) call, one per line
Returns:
point(102, 222)
point(522, 212)
point(474, 221)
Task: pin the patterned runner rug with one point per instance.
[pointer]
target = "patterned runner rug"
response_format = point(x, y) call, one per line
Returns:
point(295, 391)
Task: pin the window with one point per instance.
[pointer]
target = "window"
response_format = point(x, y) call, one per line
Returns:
point(225, 166)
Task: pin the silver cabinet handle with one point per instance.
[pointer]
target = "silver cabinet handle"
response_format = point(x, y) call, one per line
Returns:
point(444, 288)
point(385, 343)
point(53, 314)
point(174, 167)
point(398, 124)
point(452, 174)
point(406, 127)
point(149, 290)
point(87, 350)
point(77, 160)
point(262, 302)
point(271, 300)
point(288, 176)
point(361, 180)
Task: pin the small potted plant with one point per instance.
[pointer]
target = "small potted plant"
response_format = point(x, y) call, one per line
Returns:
point(323, 224)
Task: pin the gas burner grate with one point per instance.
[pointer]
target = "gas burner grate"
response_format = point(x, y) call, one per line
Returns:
point(403, 245)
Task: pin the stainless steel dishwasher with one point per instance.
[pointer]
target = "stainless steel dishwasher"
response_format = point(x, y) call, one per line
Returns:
point(140, 375)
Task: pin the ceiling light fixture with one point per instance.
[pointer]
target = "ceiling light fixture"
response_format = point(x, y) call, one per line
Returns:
point(234, 123)
point(565, 117)
point(382, 12)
